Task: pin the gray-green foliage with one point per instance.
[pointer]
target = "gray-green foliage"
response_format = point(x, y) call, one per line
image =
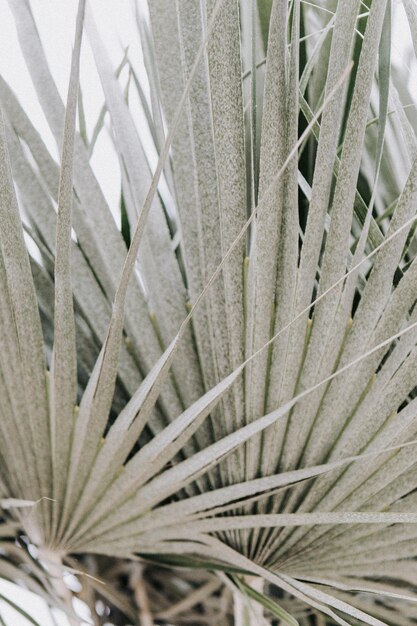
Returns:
point(226, 382)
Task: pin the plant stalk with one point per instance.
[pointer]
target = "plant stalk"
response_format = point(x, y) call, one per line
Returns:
point(53, 562)
point(248, 612)
point(141, 596)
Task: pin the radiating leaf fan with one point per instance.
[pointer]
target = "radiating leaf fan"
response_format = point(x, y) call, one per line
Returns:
point(220, 389)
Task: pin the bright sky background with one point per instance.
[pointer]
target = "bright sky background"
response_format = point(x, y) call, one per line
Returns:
point(115, 20)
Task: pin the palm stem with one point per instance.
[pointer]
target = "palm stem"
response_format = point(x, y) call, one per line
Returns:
point(53, 561)
point(141, 597)
point(248, 612)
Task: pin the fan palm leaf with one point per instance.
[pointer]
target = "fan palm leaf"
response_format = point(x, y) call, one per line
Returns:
point(227, 380)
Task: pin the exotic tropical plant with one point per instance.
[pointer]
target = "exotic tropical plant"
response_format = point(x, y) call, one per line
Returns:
point(208, 410)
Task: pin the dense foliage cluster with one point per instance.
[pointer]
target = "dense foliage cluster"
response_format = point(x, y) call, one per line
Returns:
point(208, 410)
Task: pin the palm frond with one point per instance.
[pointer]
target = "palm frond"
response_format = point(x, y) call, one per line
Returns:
point(225, 380)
